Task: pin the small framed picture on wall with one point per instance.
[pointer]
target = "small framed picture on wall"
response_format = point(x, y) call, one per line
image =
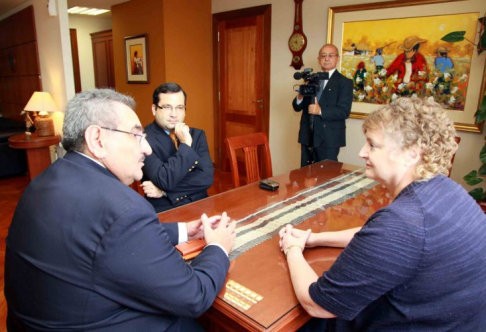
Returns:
point(136, 59)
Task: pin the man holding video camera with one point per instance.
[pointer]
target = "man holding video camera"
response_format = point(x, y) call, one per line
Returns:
point(324, 109)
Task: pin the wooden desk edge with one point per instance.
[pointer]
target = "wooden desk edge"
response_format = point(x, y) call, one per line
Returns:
point(226, 317)
point(34, 142)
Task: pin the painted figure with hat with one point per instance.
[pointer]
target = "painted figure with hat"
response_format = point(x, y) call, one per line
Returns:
point(445, 66)
point(378, 59)
point(442, 61)
point(410, 66)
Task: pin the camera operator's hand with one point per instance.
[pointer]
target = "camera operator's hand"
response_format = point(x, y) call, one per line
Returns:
point(315, 109)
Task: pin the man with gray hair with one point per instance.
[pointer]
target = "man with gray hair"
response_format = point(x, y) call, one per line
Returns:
point(86, 252)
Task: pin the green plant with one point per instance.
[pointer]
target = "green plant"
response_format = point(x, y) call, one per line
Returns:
point(475, 177)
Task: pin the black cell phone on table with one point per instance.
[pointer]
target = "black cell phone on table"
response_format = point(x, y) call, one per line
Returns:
point(269, 185)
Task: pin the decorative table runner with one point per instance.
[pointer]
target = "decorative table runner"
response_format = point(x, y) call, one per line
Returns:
point(294, 210)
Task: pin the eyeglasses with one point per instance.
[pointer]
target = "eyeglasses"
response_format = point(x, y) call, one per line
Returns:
point(330, 55)
point(170, 108)
point(141, 136)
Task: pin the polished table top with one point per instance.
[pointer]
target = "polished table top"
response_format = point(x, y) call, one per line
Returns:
point(22, 141)
point(325, 196)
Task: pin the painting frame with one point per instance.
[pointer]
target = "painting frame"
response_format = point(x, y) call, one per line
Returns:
point(136, 64)
point(337, 16)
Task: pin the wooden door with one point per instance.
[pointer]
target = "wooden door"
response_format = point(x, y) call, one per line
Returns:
point(103, 59)
point(242, 75)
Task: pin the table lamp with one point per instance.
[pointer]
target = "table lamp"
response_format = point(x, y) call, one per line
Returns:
point(43, 103)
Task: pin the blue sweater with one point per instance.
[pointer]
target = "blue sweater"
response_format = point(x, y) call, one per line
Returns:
point(418, 264)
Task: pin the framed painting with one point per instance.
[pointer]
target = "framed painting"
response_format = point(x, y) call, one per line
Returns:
point(393, 49)
point(136, 59)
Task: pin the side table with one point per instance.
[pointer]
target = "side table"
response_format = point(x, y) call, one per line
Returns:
point(37, 148)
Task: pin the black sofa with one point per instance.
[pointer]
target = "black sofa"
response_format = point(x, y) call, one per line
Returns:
point(12, 161)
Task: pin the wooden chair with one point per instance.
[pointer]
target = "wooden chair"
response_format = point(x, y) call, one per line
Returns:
point(137, 186)
point(458, 140)
point(249, 144)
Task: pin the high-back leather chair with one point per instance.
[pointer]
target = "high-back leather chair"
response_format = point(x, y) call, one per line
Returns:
point(458, 140)
point(249, 144)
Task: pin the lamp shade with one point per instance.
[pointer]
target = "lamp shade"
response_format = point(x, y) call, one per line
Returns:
point(41, 102)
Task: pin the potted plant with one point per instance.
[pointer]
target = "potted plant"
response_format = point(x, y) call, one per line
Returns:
point(475, 177)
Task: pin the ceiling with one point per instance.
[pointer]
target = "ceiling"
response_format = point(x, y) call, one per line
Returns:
point(7, 5)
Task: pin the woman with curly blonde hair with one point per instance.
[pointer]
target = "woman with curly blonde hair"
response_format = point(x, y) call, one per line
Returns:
point(418, 264)
point(413, 122)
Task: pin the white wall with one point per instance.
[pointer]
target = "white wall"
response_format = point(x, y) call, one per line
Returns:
point(84, 26)
point(284, 122)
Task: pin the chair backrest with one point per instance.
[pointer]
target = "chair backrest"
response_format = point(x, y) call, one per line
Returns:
point(137, 186)
point(249, 144)
point(458, 140)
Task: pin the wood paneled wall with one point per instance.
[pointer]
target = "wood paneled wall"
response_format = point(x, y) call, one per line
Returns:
point(179, 50)
point(134, 18)
point(19, 62)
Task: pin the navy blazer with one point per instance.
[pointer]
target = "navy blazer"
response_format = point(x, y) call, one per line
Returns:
point(330, 126)
point(184, 174)
point(86, 252)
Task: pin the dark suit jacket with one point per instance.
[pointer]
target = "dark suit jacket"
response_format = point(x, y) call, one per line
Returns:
point(184, 174)
point(330, 126)
point(86, 252)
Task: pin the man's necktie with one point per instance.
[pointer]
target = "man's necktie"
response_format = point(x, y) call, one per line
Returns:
point(174, 139)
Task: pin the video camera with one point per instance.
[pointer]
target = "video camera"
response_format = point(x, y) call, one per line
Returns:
point(313, 81)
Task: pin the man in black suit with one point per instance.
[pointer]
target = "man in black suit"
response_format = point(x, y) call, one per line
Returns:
point(180, 170)
point(86, 252)
point(322, 125)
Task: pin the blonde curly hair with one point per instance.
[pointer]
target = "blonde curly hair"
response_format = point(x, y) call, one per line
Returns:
point(422, 123)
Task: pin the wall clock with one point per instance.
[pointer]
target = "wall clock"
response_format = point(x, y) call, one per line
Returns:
point(298, 40)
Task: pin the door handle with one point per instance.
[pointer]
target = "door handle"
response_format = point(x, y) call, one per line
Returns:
point(258, 101)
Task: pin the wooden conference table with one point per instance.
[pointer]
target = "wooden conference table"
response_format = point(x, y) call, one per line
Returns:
point(258, 295)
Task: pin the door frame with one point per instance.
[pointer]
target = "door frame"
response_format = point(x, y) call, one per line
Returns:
point(266, 11)
point(75, 55)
